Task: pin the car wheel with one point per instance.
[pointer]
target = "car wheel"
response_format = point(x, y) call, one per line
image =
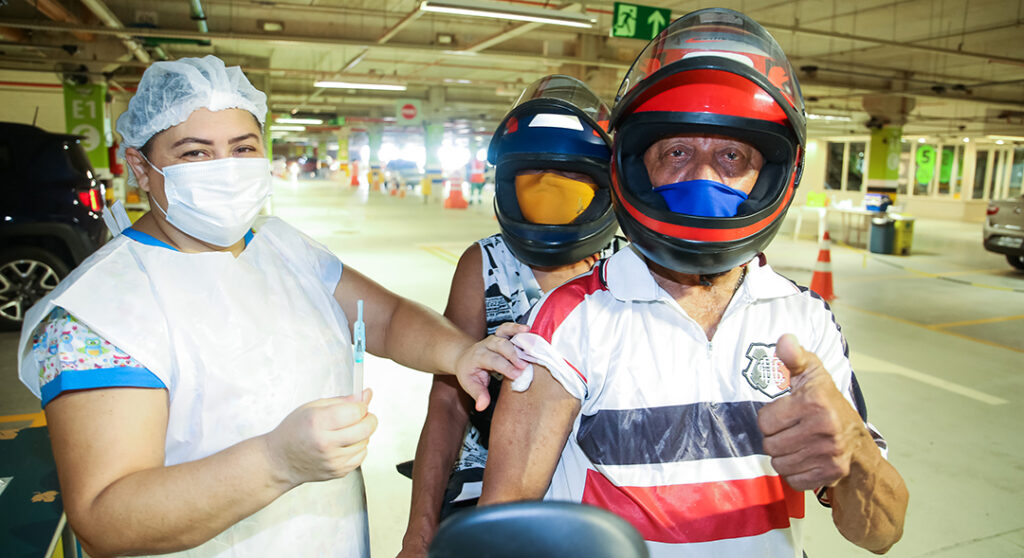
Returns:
point(1015, 261)
point(26, 275)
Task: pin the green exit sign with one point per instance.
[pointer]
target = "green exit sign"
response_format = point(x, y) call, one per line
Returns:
point(634, 21)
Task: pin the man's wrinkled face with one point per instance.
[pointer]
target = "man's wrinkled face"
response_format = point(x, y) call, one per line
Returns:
point(726, 160)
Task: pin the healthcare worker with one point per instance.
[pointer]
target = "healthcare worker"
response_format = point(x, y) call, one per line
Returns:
point(197, 375)
point(553, 207)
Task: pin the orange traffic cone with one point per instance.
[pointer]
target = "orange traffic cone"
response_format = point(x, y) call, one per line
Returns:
point(355, 174)
point(455, 198)
point(821, 280)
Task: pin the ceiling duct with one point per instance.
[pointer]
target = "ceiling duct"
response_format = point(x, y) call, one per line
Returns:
point(110, 20)
point(887, 109)
point(197, 15)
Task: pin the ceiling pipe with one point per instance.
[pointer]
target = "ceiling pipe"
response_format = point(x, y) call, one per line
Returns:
point(57, 12)
point(409, 18)
point(896, 44)
point(276, 72)
point(534, 59)
point(30, 84)
point(13, 35)
point(110, 20)
point(958, 35)
point(516, 31)
point(199, 16)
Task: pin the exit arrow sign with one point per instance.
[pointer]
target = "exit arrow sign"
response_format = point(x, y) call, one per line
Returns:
point(634, 21)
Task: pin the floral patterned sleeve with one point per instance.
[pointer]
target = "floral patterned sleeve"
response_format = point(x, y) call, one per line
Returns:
point(72, 357)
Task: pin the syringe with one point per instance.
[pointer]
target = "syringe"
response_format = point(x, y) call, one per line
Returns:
point(359, 350)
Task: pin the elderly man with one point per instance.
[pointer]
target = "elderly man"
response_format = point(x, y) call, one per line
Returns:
point(683, 384)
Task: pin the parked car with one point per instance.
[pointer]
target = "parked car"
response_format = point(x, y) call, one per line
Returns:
point(1004, 230)
point(279, 166)
point(51, 217)
point(400, 172)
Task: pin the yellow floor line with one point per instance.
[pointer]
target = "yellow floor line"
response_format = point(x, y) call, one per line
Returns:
point(929, 328)
point(871, 364)
point(876, 278)
point(977, 322)
point(441, 253)
point(916, 274)
point(971, 271)
point(942, 275)
point(37, 419)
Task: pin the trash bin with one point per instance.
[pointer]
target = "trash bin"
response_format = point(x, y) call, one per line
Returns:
point(883, 235)
point(904, 235)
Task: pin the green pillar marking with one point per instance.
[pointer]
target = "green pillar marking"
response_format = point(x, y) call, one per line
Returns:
point(925, 159)
point(85, 115)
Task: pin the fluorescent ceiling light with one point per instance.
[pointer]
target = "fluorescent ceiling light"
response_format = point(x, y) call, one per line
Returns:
point(1006, 138)
point(276, 128)
point(353, 85)
point(298, 121)
point(829, 117)
point(272, 26)
point(483, 8)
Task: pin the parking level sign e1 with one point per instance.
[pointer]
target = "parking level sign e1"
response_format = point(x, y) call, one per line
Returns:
point(634, 21)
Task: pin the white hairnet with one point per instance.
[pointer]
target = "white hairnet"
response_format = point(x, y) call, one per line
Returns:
point(170, 91)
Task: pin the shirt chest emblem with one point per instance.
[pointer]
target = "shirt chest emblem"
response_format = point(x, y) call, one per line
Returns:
point(764, 371)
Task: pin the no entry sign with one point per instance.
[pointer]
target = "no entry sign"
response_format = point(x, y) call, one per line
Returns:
point(408, 112)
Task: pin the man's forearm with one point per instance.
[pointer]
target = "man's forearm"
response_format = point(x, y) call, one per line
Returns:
point(869, 505)
point(437, 450)
point(167, 509)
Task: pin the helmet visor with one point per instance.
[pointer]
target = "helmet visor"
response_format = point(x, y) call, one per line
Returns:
point(717, 33)
point(567, 90)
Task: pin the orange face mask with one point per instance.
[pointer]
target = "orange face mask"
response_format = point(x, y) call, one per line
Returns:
point(551, 199)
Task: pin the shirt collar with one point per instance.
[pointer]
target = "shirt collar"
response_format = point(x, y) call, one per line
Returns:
point(629, 279)
point(763, 283)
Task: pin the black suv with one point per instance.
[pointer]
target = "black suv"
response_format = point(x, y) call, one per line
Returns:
point(50, 218)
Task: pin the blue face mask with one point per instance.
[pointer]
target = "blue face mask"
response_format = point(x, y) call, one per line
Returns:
point(701, 198)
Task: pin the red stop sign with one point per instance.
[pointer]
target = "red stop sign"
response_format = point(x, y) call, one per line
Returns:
point(408, 111)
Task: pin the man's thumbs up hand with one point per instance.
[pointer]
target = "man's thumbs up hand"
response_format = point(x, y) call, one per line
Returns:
point(811, 434)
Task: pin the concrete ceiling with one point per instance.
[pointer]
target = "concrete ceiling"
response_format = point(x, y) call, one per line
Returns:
point(960, 62)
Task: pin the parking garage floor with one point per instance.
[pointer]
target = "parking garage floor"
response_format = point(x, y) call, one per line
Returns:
point(937, 341)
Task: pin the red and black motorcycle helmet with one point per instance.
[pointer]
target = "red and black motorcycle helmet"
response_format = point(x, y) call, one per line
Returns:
point(557, 123)
point(711, 72)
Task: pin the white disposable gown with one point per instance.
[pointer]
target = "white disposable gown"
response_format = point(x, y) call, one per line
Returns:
point(239, 343)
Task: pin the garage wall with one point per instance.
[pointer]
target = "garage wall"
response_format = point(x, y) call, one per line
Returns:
point(814, 171)
point(22, 92)
point(972, 211)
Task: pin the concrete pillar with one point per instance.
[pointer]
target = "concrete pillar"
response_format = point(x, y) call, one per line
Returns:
point(85, 113)
point(375, 131)
point(345, 172)
point(888, 115)
point(475, 172)
point(884, 160)
point(433, 134)
point(433, 179)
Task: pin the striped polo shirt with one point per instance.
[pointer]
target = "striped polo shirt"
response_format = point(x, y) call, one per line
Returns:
point(667, 436)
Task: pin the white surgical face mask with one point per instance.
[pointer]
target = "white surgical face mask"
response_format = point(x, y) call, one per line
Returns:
point(215, 201)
